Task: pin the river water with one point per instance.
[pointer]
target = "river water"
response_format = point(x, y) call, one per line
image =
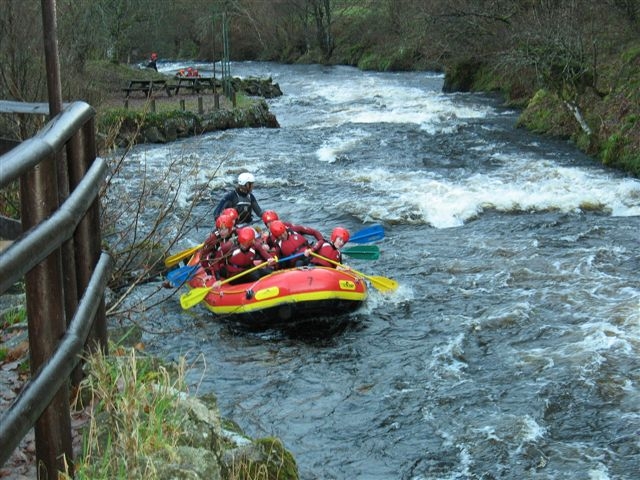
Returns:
point(510, 350)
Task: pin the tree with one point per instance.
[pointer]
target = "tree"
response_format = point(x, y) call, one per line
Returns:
point(21, 52)
point(321, 11)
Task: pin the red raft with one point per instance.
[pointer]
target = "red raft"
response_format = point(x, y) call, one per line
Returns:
point(285, 295)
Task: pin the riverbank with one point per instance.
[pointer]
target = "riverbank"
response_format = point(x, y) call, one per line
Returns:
point(129, 394)
point(602, 118)
point(162, 118)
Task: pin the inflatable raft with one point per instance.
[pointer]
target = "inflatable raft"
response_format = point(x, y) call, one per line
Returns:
point(284, 295)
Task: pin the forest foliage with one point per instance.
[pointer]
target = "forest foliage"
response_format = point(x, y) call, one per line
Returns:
point(584, 54)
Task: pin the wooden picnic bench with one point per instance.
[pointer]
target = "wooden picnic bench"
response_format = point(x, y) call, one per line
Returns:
point(146, 86)
point(193, 84)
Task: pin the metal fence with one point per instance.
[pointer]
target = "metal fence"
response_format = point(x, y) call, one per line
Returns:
point(59, 256)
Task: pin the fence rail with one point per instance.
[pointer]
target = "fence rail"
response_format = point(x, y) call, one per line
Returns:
point(60, 158)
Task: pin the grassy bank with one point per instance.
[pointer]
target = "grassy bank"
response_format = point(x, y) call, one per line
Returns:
point(603, 119)
point(140, 422)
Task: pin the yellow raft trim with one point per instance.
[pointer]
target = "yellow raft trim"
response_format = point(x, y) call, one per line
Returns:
point(301, 297)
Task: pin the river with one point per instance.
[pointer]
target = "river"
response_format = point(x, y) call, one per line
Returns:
point(510, 350)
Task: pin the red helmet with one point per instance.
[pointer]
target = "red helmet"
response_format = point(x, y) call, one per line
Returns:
point(224, 221)
point(246, 235)
point(340, 232)
point(277, 228)
point(231, 212)
point(269, 216)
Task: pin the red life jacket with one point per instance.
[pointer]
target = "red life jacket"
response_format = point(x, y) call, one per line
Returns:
point(240, 260)
point(294, 243)
point(212, 245)
point(329, 251)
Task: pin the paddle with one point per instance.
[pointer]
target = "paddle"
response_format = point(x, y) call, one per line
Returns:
point(175, 259)
point(195, 296)
point(363, 252)
point(383, 284)
point(369, 234)
point(181, 275)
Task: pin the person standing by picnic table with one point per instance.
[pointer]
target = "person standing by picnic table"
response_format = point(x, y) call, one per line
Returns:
point(152, 61)
point(241, 199)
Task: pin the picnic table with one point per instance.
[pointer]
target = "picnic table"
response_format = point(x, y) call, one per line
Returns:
point(146, 86)
point(194, 84)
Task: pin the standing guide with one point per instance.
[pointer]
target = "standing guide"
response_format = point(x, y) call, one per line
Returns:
point(241, 199)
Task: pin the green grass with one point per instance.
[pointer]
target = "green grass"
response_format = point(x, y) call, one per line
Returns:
point(143, 426)
point(14, 316)
point(133, 416)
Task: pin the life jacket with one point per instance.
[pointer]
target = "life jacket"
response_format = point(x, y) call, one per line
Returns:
point(215, 238)
point(239, 260)
point(329, 251)
point(214, 250)
point(243, 207)
point(295, 243)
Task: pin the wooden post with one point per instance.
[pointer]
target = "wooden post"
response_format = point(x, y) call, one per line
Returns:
point(182, 105)
point(45, 292)
point(126, 104)
point(153, 105)
point(200, 106)
point(88, 235)
point(216, 101)
point(234, 100)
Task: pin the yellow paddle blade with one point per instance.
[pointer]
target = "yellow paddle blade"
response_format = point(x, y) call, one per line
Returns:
point(383, 284)
point(175, 259)
point(193, 297)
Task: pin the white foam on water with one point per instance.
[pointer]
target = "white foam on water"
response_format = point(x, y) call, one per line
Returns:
point(530, 430)
point(445, 359)
point(394, 104)
point(332, 148)
point(523, 184)
point(600, 472)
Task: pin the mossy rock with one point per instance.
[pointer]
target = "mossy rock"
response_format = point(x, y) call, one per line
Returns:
point(187, 463)
point(265, 458)
point(547, 114)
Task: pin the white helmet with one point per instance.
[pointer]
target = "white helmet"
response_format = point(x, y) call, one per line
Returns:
point(245, 178)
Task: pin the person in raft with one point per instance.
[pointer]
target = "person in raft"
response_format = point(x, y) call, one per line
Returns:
point(240, 255)
point(242, 199)
point(331, 249)
point(269, 241)
point(224, 232)
point(291, 240)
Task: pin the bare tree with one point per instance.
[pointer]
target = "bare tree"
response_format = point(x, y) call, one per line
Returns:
point(21, 52)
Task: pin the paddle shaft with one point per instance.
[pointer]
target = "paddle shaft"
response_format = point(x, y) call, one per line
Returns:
point(175, 259)
point(381, 283)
